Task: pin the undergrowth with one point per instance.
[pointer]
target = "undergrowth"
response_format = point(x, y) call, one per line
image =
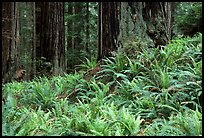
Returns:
point(155, 92)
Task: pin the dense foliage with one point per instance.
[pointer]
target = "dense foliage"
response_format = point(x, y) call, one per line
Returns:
point(145, 92)
point(188, 18)
point(78, 24)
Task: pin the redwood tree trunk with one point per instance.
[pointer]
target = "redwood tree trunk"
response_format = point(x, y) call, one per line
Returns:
point(78, 25)
point(11, 40)
point(109, 13)
point(34, 42)
point(57, 39)
point(87, 28)
point(6, 37)
point(150, 21)
point(70, 25)
point(52, 40)
point(120, 21)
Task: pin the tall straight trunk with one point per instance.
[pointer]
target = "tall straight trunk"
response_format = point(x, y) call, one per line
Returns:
point(109, 17)
point(70, 30)
point(70, 25)
point(38, 27)
point(78, 25)
point(100, 38)
point(44, 31)
point(87, 27)
point(28, 43)
point(52, 40)
point(6, 37)
point(57, 23)
point(17, 34)
point(34, 42)
point(13, 56)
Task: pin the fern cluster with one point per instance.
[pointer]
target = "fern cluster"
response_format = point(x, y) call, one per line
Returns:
point(153, 92)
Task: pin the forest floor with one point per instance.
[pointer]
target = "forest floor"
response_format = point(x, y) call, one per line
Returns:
point(150, 92)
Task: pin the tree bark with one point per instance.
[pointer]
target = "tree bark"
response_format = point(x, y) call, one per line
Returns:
point(51, 33)
point(12, 61)
point(58, 39)
point(87, 28)
point(78, 25)
point(34, 41)
point(109, 13)
point(151, 21)
point(28, 43)
point(122, 21)
point(6, 37)
point(70, 24)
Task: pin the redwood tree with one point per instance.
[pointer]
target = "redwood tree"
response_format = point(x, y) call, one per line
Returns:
point(10, 40)
point(119, 21)
point(51, 34)
point(6, 37)
point(108, 31)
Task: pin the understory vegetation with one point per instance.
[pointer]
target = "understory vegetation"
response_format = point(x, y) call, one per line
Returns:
point(139, 92)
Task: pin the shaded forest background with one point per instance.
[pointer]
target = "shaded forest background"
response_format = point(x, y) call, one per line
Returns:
point(46, 38)
point(51, 38)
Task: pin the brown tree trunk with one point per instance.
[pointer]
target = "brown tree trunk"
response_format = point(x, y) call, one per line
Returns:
point(120, 21)
point(38, 29)
point(13, 58)
point(78, 25)
point(11, 40)
point(87, 27)
point(159, 22)
point(51, 33)
point(70, 25)
point(100, 38)
point(6, 37)
point(17, 50)
point(34, 42)
point(150, 21)
point(57, 39)
point(28, 43)
point(109, 13)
